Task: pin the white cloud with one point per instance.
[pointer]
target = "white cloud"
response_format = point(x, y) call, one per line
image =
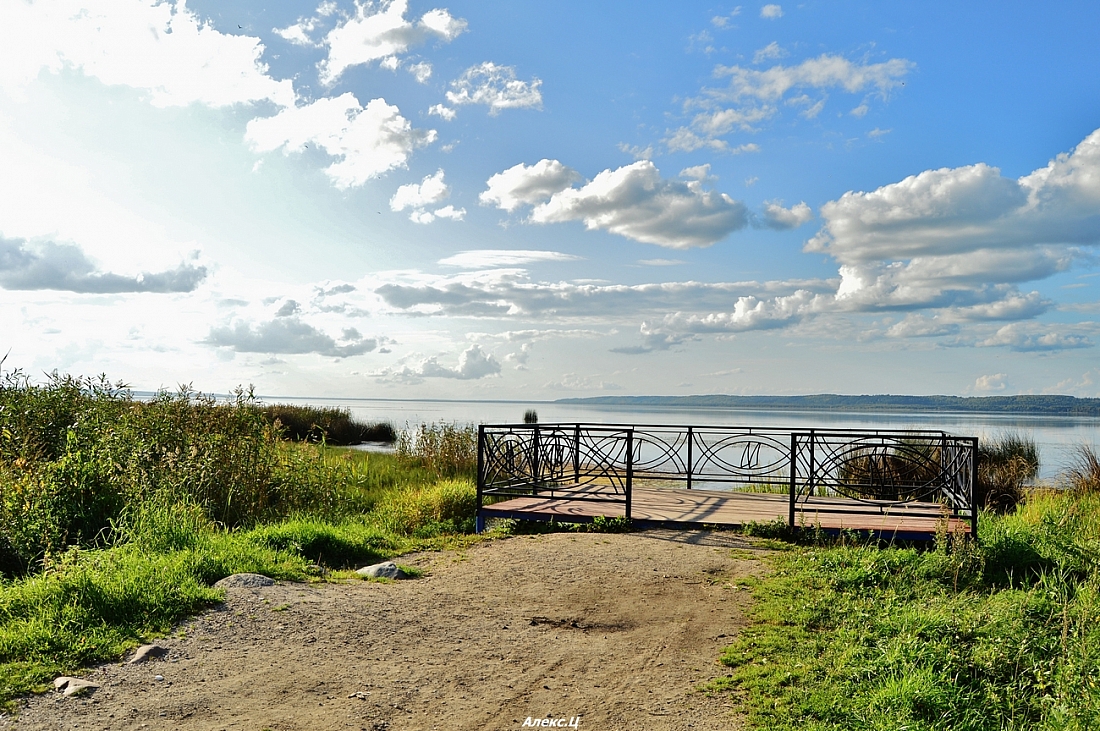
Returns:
point(430, 191)
point(473, 363)
point(419, 197)
point(990, 382)
point(698, 172)
point(660, 262)
point(372, 36)
point(367, 141)
point(289, 335)
point(161, 48)
point(777, 217)
point(632, 201)
point(492, 258)
point(771, 12)
point(421, 71)
point(574, 382)
point(824, 72)
point(496, 87)
point(860, 111)
point(769, 52)
point(47, 265)
point(527, 184)
point(441, 110)
point(635, 202)
point(1029, 338)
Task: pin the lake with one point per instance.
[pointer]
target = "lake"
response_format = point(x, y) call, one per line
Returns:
point(1057, 436)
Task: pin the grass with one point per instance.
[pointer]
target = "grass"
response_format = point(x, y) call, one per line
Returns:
point(117, 516)
point(1004, 634)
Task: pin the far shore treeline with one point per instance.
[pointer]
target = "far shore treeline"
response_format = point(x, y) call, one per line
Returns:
point(1022, 404)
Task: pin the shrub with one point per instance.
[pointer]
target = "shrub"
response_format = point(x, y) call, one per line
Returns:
point(530, 417)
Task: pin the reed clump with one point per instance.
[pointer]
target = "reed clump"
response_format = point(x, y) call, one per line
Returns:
point(447, 450)
point(332, 426)
point(1083, 476)
point(1005, 464)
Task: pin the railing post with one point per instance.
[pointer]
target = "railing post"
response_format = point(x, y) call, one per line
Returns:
point(577, 454)
point(973, 474)
point(813, 467)
point(629, 468)
point(691, 439)
point(536, 468)
point(794, 472)
point(479, 521)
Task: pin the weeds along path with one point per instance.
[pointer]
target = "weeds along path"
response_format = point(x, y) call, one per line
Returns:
point(619, 630)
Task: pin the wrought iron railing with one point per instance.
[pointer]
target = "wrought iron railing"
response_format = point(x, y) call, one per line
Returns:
point(603, 462)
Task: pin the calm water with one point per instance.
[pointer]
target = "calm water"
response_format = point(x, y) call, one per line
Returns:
point(1057, 437)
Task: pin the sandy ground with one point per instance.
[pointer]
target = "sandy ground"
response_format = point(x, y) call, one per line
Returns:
point(619, 630)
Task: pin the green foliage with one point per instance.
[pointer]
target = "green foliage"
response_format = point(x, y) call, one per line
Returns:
point(1004, 634)
point(331, 426)
point(530, 416)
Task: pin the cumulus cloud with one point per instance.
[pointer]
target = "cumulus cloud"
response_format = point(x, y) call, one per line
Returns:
point(771, 12)
point(379, 31)
point(420, 197)
point(496, 87)
point(490, 258)
point(443, 111)
point(961, 236)
point(289, 336)
point(990, 382)
point(367, 141)
point(776, 217)
point(632, 201)
point(527, 184)
point(473, 363)
point(50, 265)
point(161, 48)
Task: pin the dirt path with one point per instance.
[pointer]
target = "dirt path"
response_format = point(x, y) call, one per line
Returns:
point(616, 629)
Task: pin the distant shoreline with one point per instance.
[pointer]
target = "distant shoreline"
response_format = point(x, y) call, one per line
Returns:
point(1036, 405)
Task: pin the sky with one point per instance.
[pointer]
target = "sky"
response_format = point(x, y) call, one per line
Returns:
point(531, 200)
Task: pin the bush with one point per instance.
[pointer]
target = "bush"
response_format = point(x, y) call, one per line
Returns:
point(329, 425)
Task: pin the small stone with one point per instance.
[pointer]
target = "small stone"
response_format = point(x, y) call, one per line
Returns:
point(158, 677)
point(244, 581)
point(146, 652)
point(74, 686)
point(384, 570)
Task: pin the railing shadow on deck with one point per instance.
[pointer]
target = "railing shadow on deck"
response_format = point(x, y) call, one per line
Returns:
point(831, 470)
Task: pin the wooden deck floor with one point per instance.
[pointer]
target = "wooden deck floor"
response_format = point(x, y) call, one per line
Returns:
point(733, 509)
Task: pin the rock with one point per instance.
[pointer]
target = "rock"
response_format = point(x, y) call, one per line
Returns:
point(384, 570)
point(244, 581)
point(74, 686)
point(145, 652)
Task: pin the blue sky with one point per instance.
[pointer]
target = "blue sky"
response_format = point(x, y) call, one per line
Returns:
point(541, 200)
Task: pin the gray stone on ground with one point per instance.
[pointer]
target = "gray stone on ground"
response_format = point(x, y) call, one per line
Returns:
point(384, 570)
point(74, 686)
point(244, 581)
point(147, 652)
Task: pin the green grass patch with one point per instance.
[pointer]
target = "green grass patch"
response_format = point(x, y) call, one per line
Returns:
point(1004, 634)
